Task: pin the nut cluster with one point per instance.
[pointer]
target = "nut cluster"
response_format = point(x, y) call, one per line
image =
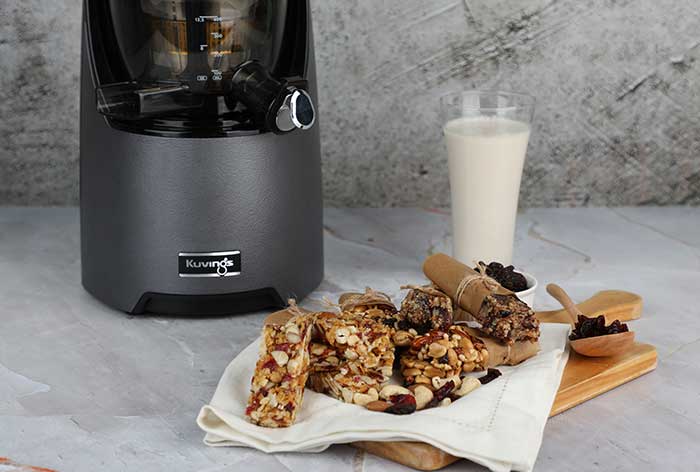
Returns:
point(437, 356)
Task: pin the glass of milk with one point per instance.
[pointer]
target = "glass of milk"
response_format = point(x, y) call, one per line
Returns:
point(487, 134)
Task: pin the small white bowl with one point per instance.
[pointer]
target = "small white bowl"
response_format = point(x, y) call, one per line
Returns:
point(528, 296)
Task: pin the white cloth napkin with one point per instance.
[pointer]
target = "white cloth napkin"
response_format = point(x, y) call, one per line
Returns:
point(499, 425)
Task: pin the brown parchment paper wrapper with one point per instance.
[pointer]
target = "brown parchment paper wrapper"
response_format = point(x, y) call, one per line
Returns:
point(371, 298)
point(503, 354)
point(447, 273)
point(281, 317)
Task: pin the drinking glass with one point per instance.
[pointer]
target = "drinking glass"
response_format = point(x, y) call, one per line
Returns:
point(487, 134)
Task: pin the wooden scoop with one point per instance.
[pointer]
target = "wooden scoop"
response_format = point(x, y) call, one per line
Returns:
point(599, 346)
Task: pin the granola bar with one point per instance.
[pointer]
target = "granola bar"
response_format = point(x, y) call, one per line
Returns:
point(426, 309)
point(323, 357)
point(357, 338)
point(507, 318)
point(440, 355)
point(277, 387)
point(364, 302)
point(349, 384)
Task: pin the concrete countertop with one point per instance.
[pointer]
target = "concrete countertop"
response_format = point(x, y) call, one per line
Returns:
point(85, 388)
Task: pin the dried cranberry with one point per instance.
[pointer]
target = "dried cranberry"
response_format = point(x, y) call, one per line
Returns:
point(445, 390)
point(402, 405)
point(441, 393)
point(593, 327)
point(491, 375)
point(289, 407)
point(283, 347)
point(271, 364)
point(506, 276)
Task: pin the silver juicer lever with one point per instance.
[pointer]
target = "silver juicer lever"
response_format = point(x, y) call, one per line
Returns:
point(276, 105)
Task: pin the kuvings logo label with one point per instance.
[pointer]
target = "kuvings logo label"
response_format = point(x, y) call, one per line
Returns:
point(209, 264)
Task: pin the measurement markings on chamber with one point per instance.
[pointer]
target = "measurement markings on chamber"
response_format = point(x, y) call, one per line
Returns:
point(203, 19)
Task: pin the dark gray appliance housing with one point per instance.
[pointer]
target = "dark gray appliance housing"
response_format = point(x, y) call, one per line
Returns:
point(200, 172)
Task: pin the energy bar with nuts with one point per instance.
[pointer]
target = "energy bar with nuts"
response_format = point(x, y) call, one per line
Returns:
point(426, 309)
point(358, 339)
point(507, 318)
point(378, 306)
point(323, 358)
point(364, 302)
point(277, 387)
point(441, 355)
point(349, 384)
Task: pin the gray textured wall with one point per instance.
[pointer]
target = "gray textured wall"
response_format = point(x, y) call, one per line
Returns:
point(618, 84)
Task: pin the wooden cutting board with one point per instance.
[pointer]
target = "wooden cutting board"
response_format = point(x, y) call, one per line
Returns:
point(583, 378)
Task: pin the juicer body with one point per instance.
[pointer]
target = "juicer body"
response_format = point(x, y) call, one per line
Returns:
point(197, 225)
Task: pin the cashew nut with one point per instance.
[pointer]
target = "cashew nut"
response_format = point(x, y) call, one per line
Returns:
point(468, 385)
point(363, 399)
point(391, 390)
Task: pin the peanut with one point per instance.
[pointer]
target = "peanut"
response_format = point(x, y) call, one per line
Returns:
point(452, 357)
point(402, 338)
point(275, 377)
point(422, 379)
point(437, 350)
point(466, 344)
point(411, 372)
point(433, 372)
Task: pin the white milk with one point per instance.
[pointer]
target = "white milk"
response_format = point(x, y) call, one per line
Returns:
point(486, 156)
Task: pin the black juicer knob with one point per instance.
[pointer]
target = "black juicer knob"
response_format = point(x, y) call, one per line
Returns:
point(275, 105)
